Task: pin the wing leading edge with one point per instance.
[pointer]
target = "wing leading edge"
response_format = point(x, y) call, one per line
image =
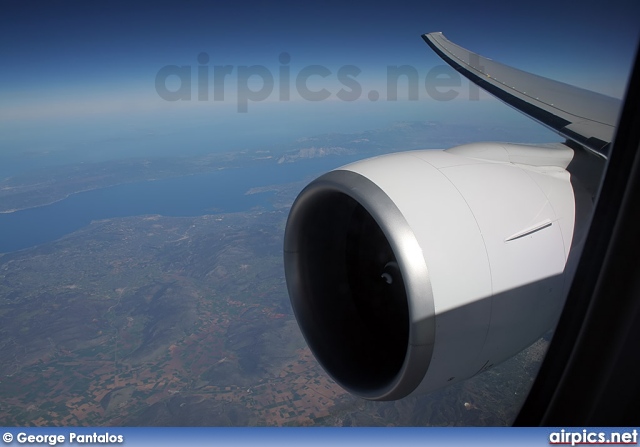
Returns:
point(580, 115)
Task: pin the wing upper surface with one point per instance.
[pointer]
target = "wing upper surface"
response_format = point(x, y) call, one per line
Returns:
point(583, 116)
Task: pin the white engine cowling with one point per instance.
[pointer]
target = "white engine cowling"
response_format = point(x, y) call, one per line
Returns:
point(418, 269)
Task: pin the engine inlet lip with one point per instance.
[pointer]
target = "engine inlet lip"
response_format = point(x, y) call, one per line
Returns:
point(409, 256)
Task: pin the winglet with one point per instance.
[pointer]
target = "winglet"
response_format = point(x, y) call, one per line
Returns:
point(585, 117)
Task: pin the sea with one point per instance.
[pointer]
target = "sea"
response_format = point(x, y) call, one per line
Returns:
point(223, 191)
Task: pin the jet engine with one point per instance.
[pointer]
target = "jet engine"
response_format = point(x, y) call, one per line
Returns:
point(415, 270)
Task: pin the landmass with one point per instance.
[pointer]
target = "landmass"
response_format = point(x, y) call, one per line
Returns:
point(46, 186)
point(153, 320)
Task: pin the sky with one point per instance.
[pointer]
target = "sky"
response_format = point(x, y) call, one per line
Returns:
point(77, 76)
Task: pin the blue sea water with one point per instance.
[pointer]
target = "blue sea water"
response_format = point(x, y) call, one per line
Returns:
point(193, 195)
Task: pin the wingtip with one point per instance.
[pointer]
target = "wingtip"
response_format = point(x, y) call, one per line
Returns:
point(429, 37)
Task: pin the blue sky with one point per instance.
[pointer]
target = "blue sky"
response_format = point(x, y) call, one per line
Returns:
point(79, 73)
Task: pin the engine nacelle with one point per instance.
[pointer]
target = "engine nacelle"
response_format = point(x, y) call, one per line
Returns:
point(419, 269)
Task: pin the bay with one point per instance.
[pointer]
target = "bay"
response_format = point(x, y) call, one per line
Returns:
point(215, 192)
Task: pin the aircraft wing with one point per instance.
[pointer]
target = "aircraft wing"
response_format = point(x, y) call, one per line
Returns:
point(411, 271)
point(583, 116)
